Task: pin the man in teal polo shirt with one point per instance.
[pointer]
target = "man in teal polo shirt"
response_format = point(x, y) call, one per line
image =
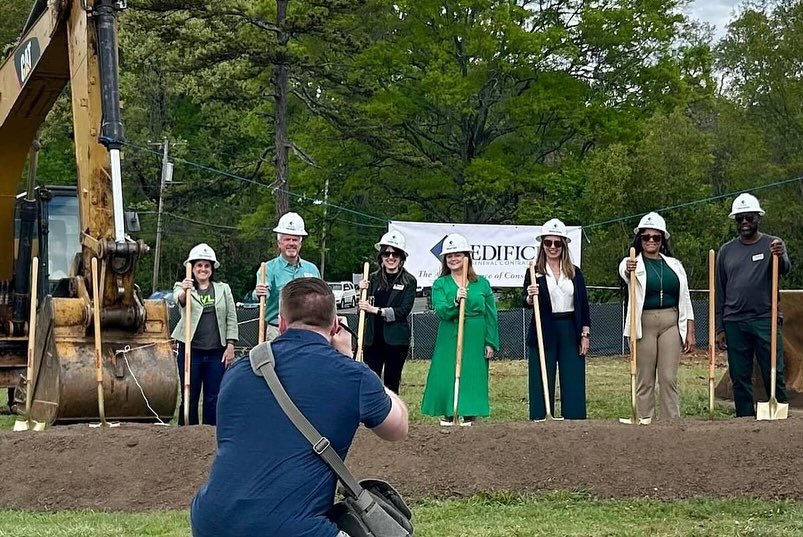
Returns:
point(283, 269)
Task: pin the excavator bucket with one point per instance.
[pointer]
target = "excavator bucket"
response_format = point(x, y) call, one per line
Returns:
point(139, 370)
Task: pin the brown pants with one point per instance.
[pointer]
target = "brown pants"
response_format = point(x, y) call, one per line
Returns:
point(659, 352)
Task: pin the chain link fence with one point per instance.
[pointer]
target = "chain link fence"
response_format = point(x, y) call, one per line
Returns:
point(607, 325)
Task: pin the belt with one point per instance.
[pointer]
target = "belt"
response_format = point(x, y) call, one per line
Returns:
point(563, 315)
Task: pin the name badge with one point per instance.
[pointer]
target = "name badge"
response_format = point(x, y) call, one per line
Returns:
point(758, 257)
point(308, 275)
point(398, 287)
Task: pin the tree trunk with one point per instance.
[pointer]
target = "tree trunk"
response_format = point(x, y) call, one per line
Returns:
point(281, 82)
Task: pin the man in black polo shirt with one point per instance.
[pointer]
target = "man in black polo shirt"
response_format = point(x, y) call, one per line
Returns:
point(744, 303)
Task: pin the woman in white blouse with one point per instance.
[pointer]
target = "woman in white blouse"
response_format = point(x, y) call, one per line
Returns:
point(565, 324)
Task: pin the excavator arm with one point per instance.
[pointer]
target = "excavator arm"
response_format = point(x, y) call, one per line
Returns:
point(75, 42)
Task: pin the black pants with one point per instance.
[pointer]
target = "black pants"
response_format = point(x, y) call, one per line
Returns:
point(391, 358)
point(748, 339)
point(206, 371)
point(562, 357)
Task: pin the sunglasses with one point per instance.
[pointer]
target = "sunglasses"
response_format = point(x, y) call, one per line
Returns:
point(391, 253)
point(749, 218)
point(548, 243)
point(651, 238)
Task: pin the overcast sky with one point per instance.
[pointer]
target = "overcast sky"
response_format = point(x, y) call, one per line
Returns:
point(715, 12)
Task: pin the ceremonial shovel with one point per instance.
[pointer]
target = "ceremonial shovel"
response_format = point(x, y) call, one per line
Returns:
point(361, 323)
point(96, 300)
point(28, 423)
point(541, 357)
point(263, 281)
point(712, 336)
point(461, 319)
point(632, 298)
point(187, 345)
point(772, 409)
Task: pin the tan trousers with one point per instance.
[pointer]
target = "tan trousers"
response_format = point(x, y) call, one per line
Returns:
point(658, 356)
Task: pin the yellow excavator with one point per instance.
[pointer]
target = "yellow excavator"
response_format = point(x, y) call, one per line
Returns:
point(112, 347)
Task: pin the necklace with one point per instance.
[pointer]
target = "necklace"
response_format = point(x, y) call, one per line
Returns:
point(660, 280)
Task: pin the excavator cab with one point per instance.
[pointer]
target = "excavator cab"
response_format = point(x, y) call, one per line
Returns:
point(94, 349)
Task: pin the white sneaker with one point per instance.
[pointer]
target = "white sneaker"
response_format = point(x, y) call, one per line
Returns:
point(446, 423)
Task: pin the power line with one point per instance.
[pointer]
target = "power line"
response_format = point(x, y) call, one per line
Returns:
point(695, 202)
point(300, 197)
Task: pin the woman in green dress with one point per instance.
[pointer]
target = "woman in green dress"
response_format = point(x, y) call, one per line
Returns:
point(480, 338)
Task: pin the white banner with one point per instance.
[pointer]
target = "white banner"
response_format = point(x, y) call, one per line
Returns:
point(500, 253)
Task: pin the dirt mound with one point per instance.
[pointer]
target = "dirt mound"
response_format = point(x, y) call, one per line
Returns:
point(140, 467)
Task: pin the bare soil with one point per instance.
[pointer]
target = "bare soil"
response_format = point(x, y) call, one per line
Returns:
point(143, 467)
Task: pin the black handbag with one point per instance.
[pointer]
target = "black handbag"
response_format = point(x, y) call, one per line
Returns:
point(370, 508)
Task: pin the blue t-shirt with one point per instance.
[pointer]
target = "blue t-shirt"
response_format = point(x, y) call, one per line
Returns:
point(266, 481)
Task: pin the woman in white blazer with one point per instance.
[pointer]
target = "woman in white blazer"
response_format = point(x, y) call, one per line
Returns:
point(213, 332)
point(664, 317)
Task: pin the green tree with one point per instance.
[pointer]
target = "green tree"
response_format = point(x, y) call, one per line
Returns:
point(480, 111)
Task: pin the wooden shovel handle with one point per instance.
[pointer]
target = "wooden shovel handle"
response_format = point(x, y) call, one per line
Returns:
point(31, 337)
point(187, 344)
point(361, 323)
point(263, 280)
point(96, 300)
point(774, 324)
point(461, 321)
point(712, 335)
point(632, 306)
point(540, 338)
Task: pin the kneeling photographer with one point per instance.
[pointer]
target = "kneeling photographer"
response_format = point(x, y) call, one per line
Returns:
point(266, 480)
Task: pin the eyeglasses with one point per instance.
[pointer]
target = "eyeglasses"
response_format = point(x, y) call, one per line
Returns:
point(651, 238)
point(552, 244)
point(749, 218)
point(391, 253)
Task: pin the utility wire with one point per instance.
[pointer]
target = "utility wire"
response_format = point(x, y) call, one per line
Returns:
point(316, 201)
point(300, 197)
point(199, 222)
point(695, 202)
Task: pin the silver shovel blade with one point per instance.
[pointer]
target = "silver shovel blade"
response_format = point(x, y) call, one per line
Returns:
point(21, 425)
point(772, 410)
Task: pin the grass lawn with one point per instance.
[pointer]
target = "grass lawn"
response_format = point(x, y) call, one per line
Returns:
point(504, 514)
point(608, 390)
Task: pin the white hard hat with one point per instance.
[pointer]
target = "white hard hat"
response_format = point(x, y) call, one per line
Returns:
point(202, 251)
point(553, 227)
point(654, 221)
point(394, 239)
point(745, 203)
point(455, 243)
point(291, 224)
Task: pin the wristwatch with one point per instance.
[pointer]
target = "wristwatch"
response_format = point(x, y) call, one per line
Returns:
point(586, 334)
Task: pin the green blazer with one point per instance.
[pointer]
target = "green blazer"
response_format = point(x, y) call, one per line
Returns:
point(225, 311)
point(400, 304)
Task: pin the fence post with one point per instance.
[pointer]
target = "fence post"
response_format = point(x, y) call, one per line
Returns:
point(523, 334)
point(412, 335)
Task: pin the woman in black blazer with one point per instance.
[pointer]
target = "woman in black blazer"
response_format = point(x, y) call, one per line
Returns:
point(565, 324)
point(387, 334)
